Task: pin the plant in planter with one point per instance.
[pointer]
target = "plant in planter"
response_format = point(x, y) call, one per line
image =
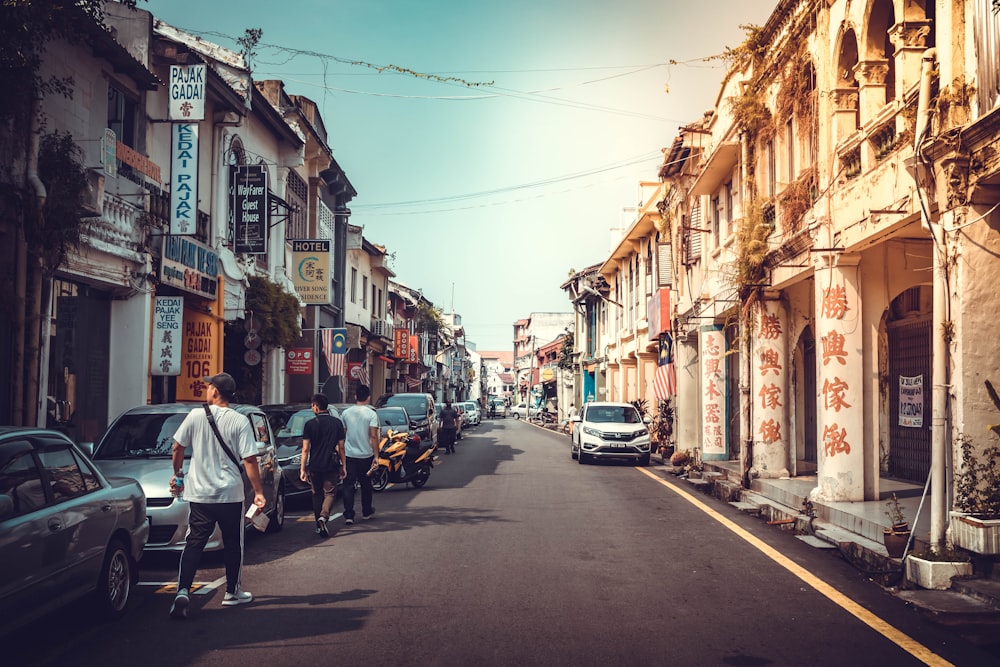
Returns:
point(936, 569)
point(680, 458)
point(897, 535)
point(976, 523)
point(662, 427)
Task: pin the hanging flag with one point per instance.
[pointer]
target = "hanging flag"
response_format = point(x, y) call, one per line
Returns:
point(412, 383)
point(665, 379)
point(334, 350)
point(357, 371)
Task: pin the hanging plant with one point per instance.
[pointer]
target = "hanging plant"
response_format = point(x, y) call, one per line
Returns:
point(752, 248)
point(277, 311)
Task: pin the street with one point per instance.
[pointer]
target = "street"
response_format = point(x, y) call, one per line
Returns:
point(515, 554)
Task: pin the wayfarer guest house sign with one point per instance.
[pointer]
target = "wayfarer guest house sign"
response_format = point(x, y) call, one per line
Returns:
point(248, 212)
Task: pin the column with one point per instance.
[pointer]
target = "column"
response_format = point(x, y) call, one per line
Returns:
point(839, 380)
point(769, 374)
point(712, 367)
point(870, 75)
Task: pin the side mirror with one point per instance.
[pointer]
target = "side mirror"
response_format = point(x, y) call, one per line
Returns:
point(647, 420)
point(88, 448)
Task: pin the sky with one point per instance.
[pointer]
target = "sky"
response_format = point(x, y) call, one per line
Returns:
point(494, 146)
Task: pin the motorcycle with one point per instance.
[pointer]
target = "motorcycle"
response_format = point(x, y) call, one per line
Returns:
point(543, 417)
point(402, 458)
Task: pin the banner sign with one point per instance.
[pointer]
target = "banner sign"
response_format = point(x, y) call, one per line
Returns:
point(400, 343)
point(311, 270)
point(187, 92)
point(189, 265)
point(911, 401)
point(201, 354)
point(184, 179)
point(299, 361)
point(248, 213)
point(168, 318)
point(413, 353)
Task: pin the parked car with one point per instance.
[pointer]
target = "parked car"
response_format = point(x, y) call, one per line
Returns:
point(520, 411)
point(610, 430)
point(287, 421)
point(138, 444)
point(419, 407)
point(66, 530)
point(472, 411)
point(498, 406)
point(394, 418)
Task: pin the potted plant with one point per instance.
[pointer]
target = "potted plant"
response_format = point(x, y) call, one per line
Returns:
point(680, 458)
point(662, 427)
point(897, 535)
point(975, 524)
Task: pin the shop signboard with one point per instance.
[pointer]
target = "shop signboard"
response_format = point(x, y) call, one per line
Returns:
point(186, 92)
point(168, 319)
point(201, 354)
point(311, 270)
point(190, 266)
point(184, 179)
point(299, 361)
point(248, 212)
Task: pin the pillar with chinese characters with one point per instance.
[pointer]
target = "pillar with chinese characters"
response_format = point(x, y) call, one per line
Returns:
point(712, 356)
point(769, 371)
point(839, 378)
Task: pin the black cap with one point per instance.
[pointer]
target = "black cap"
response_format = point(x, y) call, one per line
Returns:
point(224, 382)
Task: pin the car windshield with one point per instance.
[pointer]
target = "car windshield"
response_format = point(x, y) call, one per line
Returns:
point(392, 417)
point(297, 422)
point(617, 414)
point(414, 405)
point(140, 436)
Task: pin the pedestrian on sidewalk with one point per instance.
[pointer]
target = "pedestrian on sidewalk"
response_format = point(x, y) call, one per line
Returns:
point(214, 487)
point(323, 461)
point(449, 428)
point(361, 448)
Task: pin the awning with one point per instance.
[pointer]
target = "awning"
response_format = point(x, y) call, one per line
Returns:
point(386, 359)
point(720, 165)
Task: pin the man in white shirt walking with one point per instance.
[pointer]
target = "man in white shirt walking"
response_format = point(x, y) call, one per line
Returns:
point(213, 487)
point(361, 448)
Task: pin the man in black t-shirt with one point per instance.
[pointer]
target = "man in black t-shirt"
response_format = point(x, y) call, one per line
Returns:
point(323, 460)
point(449, 426)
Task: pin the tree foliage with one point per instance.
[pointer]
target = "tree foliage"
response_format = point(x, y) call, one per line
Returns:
point(61, 169)
point(276, 310)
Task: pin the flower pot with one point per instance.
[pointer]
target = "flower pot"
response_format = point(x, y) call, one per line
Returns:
point(895, 542)
point(935, 575)
point(981, 536)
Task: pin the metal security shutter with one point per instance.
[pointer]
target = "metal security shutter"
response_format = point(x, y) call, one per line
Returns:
point(909, 356)
point(664, 265)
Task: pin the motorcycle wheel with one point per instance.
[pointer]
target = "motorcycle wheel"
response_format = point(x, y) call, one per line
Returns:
point(380, 479)
point(421, 477)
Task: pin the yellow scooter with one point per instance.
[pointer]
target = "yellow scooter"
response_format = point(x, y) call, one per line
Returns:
point(403, 458)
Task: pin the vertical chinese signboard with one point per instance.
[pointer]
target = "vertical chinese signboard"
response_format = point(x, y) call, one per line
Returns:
point(168, 320)
point(769, 385)
point(201, 354)
point(311, 270)
point(713, 393)
point(248, 213)
point(184, 179)
point(401, 343)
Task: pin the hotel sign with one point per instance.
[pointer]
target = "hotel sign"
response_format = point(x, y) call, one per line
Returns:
point(311, 270)
point(248, 214)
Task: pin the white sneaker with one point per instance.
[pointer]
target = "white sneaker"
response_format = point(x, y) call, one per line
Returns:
point(233, 599)
point(179, 608)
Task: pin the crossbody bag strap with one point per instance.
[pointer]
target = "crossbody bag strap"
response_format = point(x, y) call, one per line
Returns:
point(218, 436)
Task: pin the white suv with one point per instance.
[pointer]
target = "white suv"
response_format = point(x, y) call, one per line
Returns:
point(610, 430)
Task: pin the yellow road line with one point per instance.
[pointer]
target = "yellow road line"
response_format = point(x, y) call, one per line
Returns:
point(901, 639)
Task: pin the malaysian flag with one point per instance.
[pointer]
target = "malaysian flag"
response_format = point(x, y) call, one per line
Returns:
point(334, 350)
point(665, 379)
point(412, 383)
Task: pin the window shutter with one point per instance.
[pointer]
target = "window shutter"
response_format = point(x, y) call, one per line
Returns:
point(694, 235)
point(665, 265)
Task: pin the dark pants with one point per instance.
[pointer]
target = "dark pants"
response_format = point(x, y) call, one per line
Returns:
point(201, 524)
point(446, 439)
point(324, 486)
point(357, 470)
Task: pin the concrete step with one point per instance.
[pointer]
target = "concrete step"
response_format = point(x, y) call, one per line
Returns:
point(745, 507)
point(952, 608)
point(702, 485)
point(986, 591)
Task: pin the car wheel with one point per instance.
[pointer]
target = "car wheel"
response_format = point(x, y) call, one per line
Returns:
point(582, 458)
point(644, 461)
point(572, 452)
point(517, 415)
point(278, 515)
point(115, 582)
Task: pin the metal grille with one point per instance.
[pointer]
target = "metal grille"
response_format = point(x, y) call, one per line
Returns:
point(909, 356)
point(297, 195)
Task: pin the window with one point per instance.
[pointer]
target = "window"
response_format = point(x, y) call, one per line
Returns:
point(772, 175)
point(21, 481)
point(65, 479)
point(716, 218)
point(354, 285)
point(297, 195)
point(123, 114)
point(790, 150)
point(364, 291)
point(727, 203)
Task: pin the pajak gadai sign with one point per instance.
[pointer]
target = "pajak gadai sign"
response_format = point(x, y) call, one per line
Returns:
point(187, 92)
point(248, 213)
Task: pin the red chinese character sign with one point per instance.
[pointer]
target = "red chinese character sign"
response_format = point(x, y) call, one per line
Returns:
point(713, 393)
point(769, 389)
point(840, 378)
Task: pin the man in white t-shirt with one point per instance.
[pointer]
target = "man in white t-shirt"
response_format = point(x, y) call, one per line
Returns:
point(213, 487)
point(361, 448)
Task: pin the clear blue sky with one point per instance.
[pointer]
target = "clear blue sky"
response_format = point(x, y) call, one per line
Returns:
point(490, 193)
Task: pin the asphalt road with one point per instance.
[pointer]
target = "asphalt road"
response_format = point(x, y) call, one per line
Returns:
point(514, 554)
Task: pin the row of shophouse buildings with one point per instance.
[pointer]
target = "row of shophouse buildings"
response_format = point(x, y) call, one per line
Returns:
point(215, 236)
point(815, 261)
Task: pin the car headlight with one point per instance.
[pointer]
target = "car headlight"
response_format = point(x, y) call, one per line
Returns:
point(290, 461)
point(590, 430)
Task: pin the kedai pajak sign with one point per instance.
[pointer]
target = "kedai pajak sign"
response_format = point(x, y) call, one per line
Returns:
point(168, 318)
point(184, 179)
point(187, 92)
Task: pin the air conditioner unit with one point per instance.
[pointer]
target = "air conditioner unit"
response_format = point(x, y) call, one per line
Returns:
point(379, 327)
